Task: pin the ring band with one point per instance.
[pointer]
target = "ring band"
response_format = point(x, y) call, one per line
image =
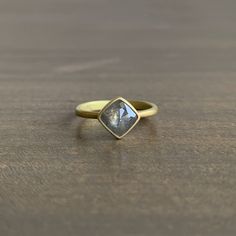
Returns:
point(118, 116)
point(92, 109)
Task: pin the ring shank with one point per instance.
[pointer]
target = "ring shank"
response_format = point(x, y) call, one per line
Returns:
point(92, 109)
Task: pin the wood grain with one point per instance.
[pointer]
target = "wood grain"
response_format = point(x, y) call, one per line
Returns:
point(174, 174)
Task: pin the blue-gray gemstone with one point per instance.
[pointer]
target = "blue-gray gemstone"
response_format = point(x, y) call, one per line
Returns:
point(119, 117)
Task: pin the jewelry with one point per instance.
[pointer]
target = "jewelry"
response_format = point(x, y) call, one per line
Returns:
point(118, 116)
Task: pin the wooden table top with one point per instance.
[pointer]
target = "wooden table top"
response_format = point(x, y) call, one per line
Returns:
point(174, 174)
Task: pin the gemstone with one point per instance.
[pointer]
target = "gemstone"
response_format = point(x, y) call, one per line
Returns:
point(119, 117)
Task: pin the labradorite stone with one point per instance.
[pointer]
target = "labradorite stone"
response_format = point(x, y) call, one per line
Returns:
point(119, 117)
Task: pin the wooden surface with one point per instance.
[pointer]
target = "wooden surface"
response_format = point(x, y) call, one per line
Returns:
point(174, 174)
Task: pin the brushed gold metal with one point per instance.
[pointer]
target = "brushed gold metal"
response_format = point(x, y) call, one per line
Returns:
point(95, 109)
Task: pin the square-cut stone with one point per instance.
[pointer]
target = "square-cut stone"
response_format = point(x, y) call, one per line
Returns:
point(119, 117)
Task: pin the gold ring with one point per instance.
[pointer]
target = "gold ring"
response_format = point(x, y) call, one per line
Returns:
point(118, 116)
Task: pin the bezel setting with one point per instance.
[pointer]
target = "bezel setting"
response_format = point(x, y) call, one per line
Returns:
point(129, 125)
